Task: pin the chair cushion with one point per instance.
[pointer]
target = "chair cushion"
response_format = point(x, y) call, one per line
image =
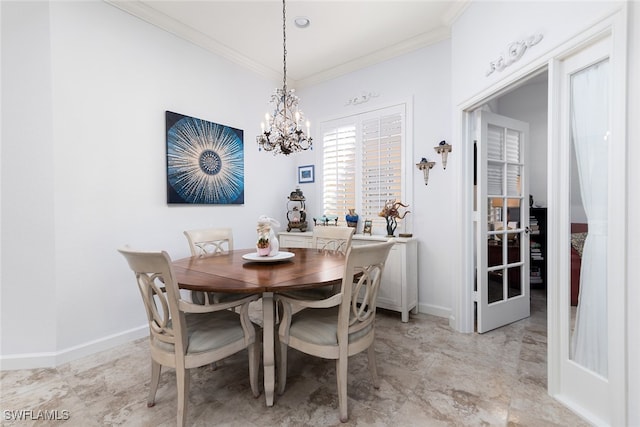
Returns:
point(320, 326)
point(209, 331)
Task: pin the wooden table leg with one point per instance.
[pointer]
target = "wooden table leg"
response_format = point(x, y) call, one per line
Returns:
point(267, 346)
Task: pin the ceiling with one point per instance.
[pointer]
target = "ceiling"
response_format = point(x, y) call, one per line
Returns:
point(343, 36)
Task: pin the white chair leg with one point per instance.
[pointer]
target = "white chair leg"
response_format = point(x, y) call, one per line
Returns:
point(282, 366)
point(371, 356)
point(341, 377)
point(183, 377)
point(155, 380)
point(254, 363)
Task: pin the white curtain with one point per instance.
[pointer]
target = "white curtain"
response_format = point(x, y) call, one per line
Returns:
point(590, 124)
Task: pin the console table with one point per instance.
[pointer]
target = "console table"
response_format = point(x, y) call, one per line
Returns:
point(399, 289)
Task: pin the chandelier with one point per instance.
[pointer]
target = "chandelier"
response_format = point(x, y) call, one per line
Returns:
point(283, 133)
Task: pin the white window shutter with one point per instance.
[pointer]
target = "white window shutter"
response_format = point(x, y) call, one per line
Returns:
point(362, 163)
point(381, 164)
point(339, 170)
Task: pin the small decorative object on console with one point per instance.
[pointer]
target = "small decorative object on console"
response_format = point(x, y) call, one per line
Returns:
point(296, 214)
point(368, 224)
point(390, 212)
point(352, 218)
point(326, 220)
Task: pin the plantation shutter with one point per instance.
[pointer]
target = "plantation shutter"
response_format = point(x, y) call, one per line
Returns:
point(339, 170)
point(363, 163)
point(381, 164)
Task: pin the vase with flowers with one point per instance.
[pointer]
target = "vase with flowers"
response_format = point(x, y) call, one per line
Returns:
point(391, 213)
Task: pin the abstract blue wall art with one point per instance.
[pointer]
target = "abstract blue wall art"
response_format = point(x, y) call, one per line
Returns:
point(205, 162)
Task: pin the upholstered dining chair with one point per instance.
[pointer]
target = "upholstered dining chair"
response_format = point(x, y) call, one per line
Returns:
point(330, 240)
point(339, 326)
point(207, 241)
point(184, 335)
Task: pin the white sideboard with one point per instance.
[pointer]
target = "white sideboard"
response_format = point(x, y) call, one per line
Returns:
point(399, 290)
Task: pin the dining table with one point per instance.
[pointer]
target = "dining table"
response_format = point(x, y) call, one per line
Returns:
point(244, 272)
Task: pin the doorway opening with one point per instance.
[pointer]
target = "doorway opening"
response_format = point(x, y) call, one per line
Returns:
point(510, 231)
point(583, 389)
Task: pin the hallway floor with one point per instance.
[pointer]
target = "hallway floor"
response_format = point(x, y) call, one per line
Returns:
point(430, 376)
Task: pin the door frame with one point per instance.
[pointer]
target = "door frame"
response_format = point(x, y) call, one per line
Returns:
point(462, 318)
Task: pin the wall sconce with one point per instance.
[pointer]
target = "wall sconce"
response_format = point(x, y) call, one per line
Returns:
point(424, 166)
point(443, 149)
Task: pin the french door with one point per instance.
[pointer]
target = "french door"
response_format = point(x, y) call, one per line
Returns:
point(588, 364)
point(502, 222)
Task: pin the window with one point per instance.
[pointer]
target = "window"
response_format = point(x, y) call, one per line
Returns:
point(362, 162)
point(339, 169)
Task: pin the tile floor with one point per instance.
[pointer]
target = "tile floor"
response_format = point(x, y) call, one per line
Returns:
point(430, 376)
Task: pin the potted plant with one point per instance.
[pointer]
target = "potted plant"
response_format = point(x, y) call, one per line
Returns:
point(263, 245)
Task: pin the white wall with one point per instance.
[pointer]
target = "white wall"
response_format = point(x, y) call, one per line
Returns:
point(28, 308)
point(84, 167)
point(423, 78)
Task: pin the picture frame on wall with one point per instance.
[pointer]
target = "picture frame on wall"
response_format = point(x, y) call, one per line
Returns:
point(306, 174)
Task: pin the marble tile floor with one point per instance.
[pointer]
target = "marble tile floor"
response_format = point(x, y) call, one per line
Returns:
point(430, 376)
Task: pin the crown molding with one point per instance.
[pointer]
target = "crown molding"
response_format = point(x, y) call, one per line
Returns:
point(164, 22)
point(410, 45)
point(456, 9)
point(150, 15)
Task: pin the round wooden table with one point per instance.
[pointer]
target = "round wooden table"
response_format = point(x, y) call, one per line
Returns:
point(308, 268)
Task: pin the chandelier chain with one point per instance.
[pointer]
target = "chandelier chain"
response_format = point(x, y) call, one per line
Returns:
point(283, 131)
point(284, 45)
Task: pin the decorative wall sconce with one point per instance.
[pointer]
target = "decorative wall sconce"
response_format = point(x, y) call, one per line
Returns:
point(424, 166)
point(443, 149)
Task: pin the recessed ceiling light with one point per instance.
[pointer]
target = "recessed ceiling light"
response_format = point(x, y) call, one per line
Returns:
point(301, 21)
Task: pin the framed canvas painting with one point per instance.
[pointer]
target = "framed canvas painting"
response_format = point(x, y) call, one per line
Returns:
point(205, 162)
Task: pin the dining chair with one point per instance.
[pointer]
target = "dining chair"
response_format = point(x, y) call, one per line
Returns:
point(210, 240)
point(207, 241)
point(184, 335)
point(330, 240)
point(339, 326)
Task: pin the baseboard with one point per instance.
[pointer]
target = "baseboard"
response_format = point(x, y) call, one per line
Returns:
point(583, 413)
point(52, 360)
point(434, 310)
point(27, 361)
